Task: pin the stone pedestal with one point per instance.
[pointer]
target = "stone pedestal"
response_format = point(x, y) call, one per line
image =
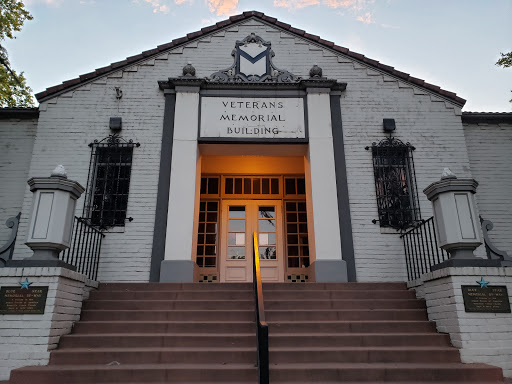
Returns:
point(456, 220)
point(51, 221)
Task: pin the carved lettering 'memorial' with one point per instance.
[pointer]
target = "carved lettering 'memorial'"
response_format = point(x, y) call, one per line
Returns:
point(253, 64)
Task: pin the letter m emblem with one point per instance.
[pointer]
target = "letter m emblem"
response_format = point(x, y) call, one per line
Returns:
point(253, 58)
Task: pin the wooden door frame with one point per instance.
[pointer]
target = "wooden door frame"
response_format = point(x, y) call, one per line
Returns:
point(251, 219)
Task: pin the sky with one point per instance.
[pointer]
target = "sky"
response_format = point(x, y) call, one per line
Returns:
point(450, 43)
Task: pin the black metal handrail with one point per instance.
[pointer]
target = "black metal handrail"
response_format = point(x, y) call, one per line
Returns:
point(421, 249)
point(261, 325)
point(7, 250)
point(85, 249)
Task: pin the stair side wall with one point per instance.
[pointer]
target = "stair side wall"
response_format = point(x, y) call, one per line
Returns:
point(480, 337)
point(27, 339)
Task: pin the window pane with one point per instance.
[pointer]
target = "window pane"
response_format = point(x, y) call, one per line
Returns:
point(290, 186)
point(236, 253)
point(238, 186)
point(275, 186)
point(212, 205)
point(237, 225)
point(267, 225)
point(265, 186)
point(267, 253)
point(256, 186)
point(236, 212)
point(213, 185)
point(228, 188)
point(293, 262)
point(247, 186)
point(301, 186)
point(203, 185)
point(266, 212)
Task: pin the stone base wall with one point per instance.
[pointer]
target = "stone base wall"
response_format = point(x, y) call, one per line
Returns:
point(481, 337)
point(27, 339)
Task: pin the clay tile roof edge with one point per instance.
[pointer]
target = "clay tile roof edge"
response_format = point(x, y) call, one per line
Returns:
point(53, 91)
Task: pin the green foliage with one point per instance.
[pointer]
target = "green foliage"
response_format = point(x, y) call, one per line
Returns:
point(506, 60)
point(12, 16)
point(14, 92)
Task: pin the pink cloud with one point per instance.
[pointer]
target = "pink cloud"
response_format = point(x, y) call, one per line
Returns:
point(295, 4)
point(222, 7)
point(366, 18)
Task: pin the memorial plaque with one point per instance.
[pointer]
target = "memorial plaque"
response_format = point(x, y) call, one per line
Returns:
point(493, 299)
point(22, 301)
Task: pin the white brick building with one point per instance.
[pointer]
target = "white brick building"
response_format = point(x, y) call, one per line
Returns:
point(325, 219)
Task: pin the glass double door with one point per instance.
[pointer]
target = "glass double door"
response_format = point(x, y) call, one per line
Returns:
point(240, 219)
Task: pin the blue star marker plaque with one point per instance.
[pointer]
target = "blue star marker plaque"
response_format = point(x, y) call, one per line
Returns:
point(25, 284)
point(483, 283)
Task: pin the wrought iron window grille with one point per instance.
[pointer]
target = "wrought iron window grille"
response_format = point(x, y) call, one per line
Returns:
point(395, 184)
point(108, 182)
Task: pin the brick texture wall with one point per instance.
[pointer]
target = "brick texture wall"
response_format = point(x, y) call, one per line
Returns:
point(70, 121)
point(16, 144)
point(490, 156)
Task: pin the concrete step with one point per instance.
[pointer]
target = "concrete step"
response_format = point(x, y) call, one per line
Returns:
point(191, 294)
point(170, 287)
point(197, 327)
point(366, 326)
point(345, 315)
point(388, 354)
point(314, 294)
point(154, 304)
point(155, 340)
point(271, 304)
point(380, 373)
point(327, 340)
point(144, 373)
point(378, 286)
point(166, 315)
point(160, 355)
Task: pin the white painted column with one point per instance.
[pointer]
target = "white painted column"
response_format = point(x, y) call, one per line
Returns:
point(328, 265)
point(178, 265)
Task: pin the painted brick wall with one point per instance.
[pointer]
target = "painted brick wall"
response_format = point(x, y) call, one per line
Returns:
point(70, 121)
point(16, 144)
point(481, 337)
point(490, 156)
point(27, 339)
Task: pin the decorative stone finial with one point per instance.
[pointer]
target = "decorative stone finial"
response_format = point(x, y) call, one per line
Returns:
point(189, 70)
point(447, 174)
point(59, 171)
point(315, 71)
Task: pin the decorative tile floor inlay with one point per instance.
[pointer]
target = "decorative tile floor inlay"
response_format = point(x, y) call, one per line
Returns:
point(297, 278)
point(208, 278)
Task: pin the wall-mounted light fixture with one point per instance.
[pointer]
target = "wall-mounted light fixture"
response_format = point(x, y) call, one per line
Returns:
point(116, 124)
point(389, 125)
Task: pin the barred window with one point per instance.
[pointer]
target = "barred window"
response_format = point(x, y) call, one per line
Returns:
point(395, 183)
point(109, 181)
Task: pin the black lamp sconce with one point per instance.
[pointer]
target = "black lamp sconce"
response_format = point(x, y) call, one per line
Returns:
point(116, 124)
point(388, 125)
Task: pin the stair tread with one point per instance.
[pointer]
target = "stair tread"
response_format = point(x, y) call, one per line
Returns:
point(157, 349)
point(139, 334)
point(239, 349)
point(83, 367)
point(331, 365)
